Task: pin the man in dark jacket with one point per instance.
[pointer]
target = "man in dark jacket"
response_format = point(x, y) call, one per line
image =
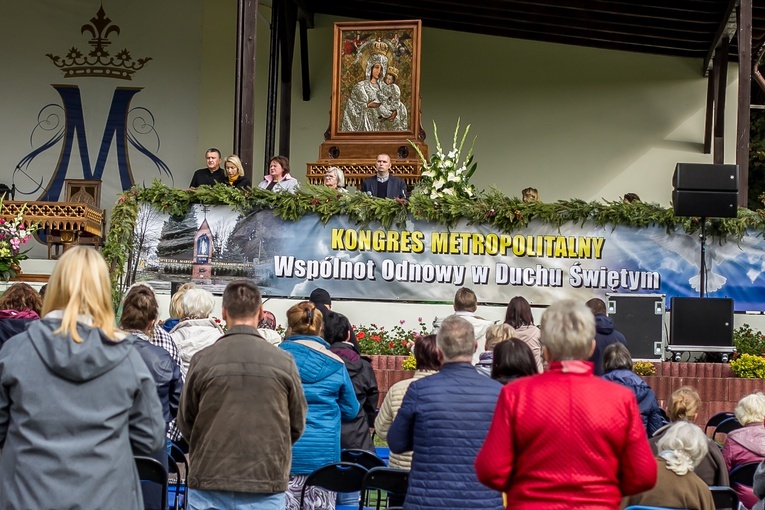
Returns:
point(444, 419)
point(605, 333)
point(241, 411)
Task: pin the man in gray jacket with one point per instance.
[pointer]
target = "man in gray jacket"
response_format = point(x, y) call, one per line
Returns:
point(242, 409)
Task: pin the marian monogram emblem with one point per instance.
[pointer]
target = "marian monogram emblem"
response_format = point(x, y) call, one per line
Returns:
point(125, 126)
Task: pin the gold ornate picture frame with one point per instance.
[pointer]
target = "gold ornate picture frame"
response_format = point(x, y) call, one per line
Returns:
point(376, 80)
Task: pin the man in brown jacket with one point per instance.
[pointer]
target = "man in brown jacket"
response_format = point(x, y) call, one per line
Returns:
point(242, 409)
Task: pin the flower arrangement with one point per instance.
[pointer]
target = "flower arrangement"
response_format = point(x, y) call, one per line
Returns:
point(375, 339)
point(13, 233)
point(444, 174)
point(749, 366)
point(644, 368)
point(409, 363)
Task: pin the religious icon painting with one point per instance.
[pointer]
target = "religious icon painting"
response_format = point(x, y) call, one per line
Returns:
point(376, 79)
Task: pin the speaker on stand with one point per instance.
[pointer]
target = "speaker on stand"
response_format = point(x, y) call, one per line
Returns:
point(706, 191)
point(703, 324)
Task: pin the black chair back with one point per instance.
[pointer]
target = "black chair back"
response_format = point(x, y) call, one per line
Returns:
point(363, 458)
point(743, 474)
point(336, 477)
point(725, 498)
point(716, 419)
point(153, 478)
point(726, 426)
point(177, 460)
point(393, 481)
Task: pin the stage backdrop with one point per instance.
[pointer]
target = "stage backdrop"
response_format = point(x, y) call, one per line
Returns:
point(427, 262)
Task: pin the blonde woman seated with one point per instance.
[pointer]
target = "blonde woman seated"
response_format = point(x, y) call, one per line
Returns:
point(681, 449)
point(746, 444)
point(684, 404)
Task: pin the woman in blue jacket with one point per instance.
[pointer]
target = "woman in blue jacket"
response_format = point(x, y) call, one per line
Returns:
point(617, 365)
point(331, 399)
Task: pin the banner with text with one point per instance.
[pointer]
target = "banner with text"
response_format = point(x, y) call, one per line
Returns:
point(426, 262)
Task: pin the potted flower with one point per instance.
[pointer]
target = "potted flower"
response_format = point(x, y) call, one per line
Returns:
point(14, 232)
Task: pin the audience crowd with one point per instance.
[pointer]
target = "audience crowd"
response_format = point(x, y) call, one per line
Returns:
point(496, 415)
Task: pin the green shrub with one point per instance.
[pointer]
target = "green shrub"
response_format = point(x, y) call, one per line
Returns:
point(749, 366)
point(749, 341)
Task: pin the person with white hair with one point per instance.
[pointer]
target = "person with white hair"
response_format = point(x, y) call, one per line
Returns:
point(566, 438)
point(746, 444)
point(197, 329)
point(335, 179)
point(681, 449)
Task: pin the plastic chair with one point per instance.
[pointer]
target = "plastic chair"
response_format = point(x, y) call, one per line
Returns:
point(725, 498)
point(726, 426)
point(743, 474)
point(383, 452)
point(716, 419)
point(363, 458)
point(394, 482)
point(152, 473)
point(177, 491)
point(336, 477)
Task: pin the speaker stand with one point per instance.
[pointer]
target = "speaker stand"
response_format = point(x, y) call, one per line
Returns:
point(703, 264)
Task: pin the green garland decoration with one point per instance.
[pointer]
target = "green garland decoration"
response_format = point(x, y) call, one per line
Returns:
point(491, 208)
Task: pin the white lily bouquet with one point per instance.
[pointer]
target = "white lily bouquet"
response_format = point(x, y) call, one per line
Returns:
point(444, 174)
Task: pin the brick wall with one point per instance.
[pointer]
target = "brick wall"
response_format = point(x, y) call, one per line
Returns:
point(718, 388)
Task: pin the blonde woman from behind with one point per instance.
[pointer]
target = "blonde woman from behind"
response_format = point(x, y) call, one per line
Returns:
point(76, 399)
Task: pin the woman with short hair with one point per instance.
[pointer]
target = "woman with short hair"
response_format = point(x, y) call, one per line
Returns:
point(334, 178)
point(681, 449)
point(566, 438)
point(279, 178)
point(235, 173)
point(684, 404)
point(617, 367)
point(139, 315)
point(746, 444)
point(197, 329)
point(331, 400)
point(512, 359)
point(76, 399)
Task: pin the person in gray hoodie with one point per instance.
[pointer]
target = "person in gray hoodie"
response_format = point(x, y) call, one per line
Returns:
point(76, 400)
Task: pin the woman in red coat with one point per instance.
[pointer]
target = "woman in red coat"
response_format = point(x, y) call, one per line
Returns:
point(566, 439)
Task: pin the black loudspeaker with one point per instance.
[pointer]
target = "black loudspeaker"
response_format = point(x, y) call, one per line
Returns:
point(640, 318)
point(707, 204)
point(701, 321)
point(701, 177)
point(708, 191)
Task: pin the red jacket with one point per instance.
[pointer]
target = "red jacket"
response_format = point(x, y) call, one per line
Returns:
point(566, 439)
